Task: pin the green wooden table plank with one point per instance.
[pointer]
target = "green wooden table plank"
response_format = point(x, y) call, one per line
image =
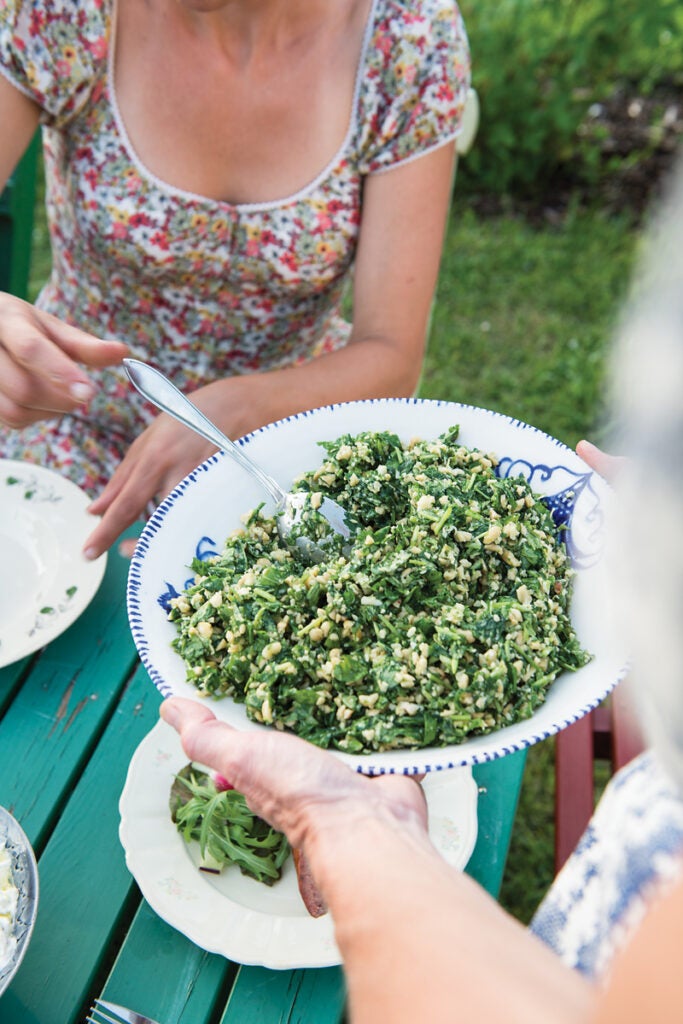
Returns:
point(10, 681)
point(84, 882)
point(260, 996)
point(499, 784)
point(161, 973)
point(72, 690)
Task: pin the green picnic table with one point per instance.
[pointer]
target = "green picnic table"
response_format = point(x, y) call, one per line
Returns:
point(71, 716)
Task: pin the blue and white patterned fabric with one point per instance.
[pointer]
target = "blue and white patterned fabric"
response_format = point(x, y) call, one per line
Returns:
point(634, 842)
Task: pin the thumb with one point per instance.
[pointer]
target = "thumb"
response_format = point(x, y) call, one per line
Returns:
point(599, 461)
point(203, 737)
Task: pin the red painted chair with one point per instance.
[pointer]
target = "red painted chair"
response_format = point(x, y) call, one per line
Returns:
point(610, 732)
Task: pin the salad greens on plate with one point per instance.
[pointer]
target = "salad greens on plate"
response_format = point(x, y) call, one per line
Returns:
point(226, 830)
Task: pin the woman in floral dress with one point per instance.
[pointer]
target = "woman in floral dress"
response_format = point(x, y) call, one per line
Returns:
point(218, 172)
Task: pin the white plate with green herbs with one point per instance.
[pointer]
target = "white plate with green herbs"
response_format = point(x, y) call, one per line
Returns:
point(230, 913)
point(382, 647)
point(48, 583)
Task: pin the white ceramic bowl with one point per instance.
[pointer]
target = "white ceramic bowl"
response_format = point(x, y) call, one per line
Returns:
point(200, 513)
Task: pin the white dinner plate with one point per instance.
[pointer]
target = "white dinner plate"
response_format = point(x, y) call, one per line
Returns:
point(46, 581)
point(231, 914)
point(207, 505)
point(25, 878)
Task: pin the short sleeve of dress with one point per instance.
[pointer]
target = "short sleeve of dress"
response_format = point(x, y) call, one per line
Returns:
point(49, 49)
point(415, 84)
point(632, 846)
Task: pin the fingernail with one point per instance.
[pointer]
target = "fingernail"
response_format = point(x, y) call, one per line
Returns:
point(81, 392)
point(90, 554)
point(221, 783)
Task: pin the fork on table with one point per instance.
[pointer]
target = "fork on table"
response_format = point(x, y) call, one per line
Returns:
point(110, 1013)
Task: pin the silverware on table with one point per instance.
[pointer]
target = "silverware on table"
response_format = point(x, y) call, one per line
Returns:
point(110, 1013)
point(156, 388)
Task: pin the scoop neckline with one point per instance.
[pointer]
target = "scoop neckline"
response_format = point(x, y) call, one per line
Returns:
point(196, 197)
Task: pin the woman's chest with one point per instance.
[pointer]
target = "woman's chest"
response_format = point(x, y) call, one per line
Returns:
point(239, 130)
point(110, 212)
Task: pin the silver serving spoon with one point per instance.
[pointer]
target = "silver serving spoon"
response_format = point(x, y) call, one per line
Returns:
point(289, 506)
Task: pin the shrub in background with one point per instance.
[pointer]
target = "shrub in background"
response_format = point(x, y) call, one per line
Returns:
point(540, 66)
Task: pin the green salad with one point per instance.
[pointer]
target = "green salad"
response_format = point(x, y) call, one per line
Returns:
point(446, 617)
point(227, 832)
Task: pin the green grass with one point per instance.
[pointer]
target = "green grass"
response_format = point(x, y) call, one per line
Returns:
point(522, 323)
point(523, 317)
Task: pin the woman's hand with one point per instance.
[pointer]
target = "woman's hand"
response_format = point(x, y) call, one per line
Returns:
point(163, 455)
point(40, 375)
point(401, 914)
point(298, 788)
point(155, 462)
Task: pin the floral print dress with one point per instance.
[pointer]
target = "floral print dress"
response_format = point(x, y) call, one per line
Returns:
point(630, 853)
point(200, 288)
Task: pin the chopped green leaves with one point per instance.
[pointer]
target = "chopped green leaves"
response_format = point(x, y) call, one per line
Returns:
point(448, 616)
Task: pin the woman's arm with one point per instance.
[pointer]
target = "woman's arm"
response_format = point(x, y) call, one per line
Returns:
point(423, 942)
point(420, 941)
point(403, 222)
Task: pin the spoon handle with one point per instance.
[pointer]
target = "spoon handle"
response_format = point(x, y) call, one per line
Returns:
point(161, 392)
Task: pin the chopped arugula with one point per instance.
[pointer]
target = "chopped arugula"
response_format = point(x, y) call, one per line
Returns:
point(226, 830)
point(447, 617)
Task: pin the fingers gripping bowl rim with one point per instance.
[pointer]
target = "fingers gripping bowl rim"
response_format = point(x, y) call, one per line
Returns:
point(198, 515)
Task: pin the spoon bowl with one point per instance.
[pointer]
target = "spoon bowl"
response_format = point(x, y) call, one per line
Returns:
point(305, 524)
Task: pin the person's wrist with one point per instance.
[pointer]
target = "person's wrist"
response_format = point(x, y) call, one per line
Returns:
point(338, 832)
point(233, 403)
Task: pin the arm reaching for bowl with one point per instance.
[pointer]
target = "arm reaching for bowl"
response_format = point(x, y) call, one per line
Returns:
point(418, 938)
point(43, 361)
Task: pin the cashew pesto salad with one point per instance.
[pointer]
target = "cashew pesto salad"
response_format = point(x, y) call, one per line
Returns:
point(446, 617)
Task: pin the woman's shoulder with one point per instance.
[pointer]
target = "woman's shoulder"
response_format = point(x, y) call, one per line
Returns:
point(417, 23)
point(53, 50)
point(415, 80)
